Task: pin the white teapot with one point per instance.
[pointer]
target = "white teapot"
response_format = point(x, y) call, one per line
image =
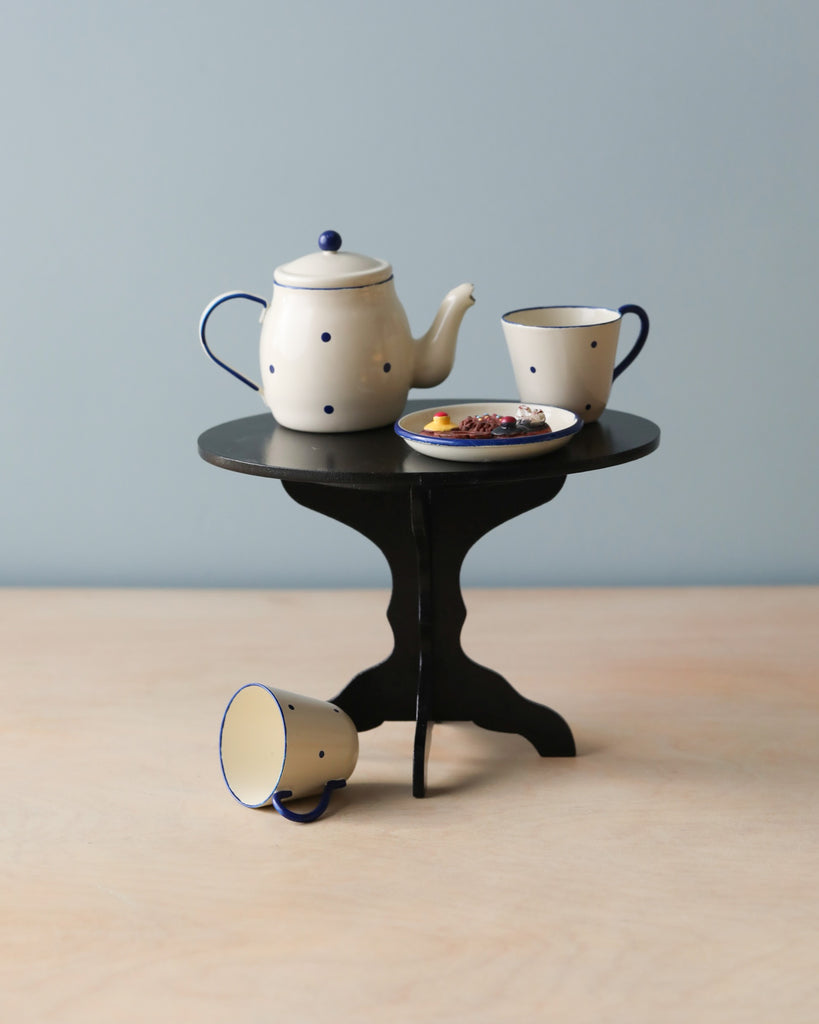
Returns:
point(336, 350)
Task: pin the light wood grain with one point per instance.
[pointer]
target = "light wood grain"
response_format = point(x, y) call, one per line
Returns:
point(668, 873)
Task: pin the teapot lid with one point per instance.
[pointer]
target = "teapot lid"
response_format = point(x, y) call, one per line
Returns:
point(331, 268)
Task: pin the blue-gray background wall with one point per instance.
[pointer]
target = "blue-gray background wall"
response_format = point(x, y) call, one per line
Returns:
point(155, 155)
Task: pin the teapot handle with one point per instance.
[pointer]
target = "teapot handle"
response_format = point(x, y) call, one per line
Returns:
point(204, 319)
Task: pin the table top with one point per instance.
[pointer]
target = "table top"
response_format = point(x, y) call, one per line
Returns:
point(666, 874)
point(258, 445)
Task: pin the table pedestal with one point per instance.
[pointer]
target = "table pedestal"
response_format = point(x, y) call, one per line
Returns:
point(425, 533)
point(425, 514)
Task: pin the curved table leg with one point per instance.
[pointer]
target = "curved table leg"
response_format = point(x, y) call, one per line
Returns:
point(425, 534)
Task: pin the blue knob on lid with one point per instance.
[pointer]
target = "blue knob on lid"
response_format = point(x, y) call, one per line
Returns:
point(329, 241)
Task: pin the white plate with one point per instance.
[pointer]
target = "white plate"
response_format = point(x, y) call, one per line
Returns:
point(564, 424)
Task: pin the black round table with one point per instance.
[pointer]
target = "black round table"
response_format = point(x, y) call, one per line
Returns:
point(425, 514)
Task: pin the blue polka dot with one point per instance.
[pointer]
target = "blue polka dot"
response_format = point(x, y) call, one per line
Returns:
point(532, 369)
point(588, 406)
point(328, 409)
point(387, 367)
point(325, 336)
point(321, 753)
point(594, 344)
point(272, 368)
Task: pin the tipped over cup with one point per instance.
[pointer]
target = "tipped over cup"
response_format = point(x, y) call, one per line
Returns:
point(276, 746)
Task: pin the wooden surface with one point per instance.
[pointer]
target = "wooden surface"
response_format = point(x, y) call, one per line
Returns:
point(668, 873)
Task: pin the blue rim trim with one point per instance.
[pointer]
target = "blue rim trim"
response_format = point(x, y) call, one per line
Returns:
point(616, 315)
point(454, 442)
point(267, 799)
point(331, 288)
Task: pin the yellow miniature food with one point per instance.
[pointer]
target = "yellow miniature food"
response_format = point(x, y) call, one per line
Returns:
point(440, 423)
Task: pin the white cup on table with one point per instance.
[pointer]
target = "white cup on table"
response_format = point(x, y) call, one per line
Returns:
point(565, 355)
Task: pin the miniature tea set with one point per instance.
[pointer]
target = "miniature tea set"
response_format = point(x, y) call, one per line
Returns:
point(337, 355)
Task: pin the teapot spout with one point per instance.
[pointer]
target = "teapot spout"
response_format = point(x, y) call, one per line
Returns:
point(435, 352)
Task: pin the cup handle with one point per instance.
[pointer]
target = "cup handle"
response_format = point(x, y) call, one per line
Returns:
point(316, 812)
point(636, 348)
point(204, 319)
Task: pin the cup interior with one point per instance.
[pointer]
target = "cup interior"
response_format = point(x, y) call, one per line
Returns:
point(252, 745)
point(561, 316)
